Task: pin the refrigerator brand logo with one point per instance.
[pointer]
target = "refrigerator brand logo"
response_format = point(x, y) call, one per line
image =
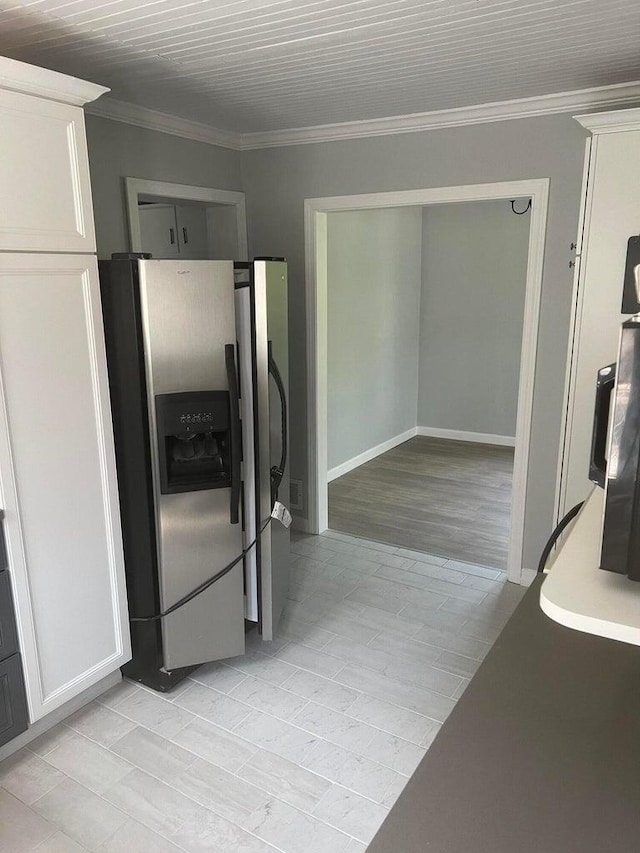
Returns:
point(196, 418)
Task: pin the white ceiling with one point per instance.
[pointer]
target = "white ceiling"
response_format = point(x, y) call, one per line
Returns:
point(259, 65)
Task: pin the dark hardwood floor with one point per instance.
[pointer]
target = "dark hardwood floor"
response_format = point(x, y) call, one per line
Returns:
point(449, 498)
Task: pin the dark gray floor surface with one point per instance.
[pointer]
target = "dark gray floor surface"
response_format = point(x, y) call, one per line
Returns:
point(449, 498)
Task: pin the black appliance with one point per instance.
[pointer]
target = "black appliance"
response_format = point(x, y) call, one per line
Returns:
point(615, 454)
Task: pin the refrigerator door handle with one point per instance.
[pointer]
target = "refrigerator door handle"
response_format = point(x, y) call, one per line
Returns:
point(235, 433)
point(604, 388)
point(277, 471)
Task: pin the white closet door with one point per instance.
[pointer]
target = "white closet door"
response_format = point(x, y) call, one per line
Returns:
point(58, 479)
point(44, 177)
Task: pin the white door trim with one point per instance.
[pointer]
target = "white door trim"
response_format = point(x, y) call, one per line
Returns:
point(135, 187)
point(315, 210)
point(577, 298)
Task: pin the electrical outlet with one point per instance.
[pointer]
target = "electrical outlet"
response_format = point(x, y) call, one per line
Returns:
point(295, 494)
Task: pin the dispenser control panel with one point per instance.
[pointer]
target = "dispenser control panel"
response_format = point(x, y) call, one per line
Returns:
point(197, 419)
point(194, 440)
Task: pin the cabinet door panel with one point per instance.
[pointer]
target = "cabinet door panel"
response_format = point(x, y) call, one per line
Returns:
point(8, 637)
point(159, 230)
point(192, 232)
point(13, 708)
point(44, 177)
point(58, 477)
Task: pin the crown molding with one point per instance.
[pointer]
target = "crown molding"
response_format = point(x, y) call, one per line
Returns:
point(127, 113)
point(561, 102)
point(611, 122)
point(620, 94)
point(43, 83)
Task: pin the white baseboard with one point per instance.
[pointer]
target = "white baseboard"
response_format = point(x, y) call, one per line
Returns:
point(528, 577)
point(463, 435)
point(45, 723)
point(370, 454)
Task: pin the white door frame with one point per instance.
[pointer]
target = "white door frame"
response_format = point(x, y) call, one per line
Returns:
point(135, 187)
point(315, 213)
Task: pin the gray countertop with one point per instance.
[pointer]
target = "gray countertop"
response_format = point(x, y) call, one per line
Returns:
point(540, 755)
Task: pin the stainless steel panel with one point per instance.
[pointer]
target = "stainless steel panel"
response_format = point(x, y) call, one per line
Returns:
point(271, 321)
point(188, 316)
point(261, 393)
point(197, 541)
point(244, 331)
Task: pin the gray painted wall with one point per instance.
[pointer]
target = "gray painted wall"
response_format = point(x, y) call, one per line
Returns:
point(278, 180)
point(373, 299)
point(118, 151)
point(474, 267)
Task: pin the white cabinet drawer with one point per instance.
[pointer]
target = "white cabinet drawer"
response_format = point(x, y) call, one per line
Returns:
point(45, 194)
point(58, 479)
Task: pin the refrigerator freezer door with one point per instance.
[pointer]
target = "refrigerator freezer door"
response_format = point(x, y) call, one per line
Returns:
point(244, 328)
point(271, 322)
point(188, 317)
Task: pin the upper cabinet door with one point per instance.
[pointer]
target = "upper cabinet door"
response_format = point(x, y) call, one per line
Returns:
point(45, 195)
point(192, 232)
point(159, 230)
point(58, 484)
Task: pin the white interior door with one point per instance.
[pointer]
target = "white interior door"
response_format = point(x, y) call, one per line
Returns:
point(58, 482)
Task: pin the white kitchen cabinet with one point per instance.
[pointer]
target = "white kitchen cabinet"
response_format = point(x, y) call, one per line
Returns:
point(611, 214)
point(58, 485)
point(159, 230)
point(45, 194)
point(58, 477)
point(192, 232)
point(174, 231)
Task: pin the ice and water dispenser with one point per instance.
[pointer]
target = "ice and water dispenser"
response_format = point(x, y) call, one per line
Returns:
point(194, 441)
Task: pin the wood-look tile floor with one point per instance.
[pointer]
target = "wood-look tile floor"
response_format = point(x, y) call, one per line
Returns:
point(300, 746)
point(451, 498)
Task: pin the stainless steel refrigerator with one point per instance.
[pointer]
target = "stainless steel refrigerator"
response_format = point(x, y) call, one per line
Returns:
point(198, 372)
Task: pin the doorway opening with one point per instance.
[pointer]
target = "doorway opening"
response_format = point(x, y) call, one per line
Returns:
point(177, 221)
point(446, 482)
